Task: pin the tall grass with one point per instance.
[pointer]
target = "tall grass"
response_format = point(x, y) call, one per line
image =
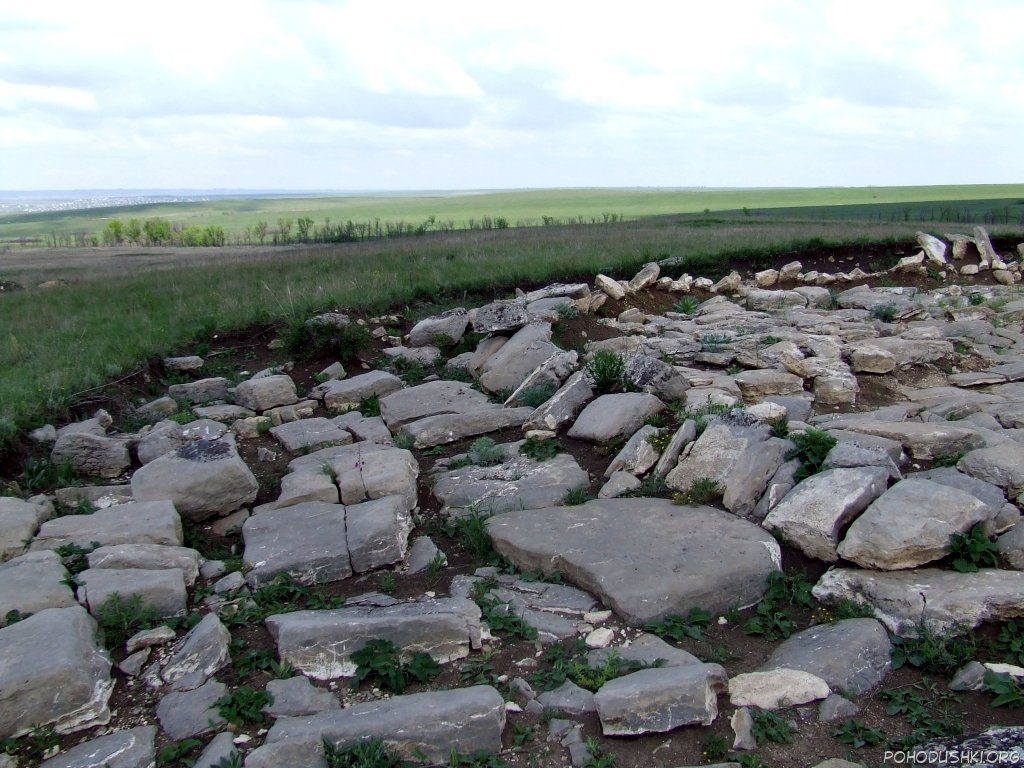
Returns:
point(59, 341)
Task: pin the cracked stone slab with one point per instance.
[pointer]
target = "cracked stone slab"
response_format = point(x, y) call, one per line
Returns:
point(131, 748)
point(659, 700)
point(645, 558)
point(139, 522)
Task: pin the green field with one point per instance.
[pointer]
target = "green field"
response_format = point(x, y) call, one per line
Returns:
point(123, 307)
point(527, 208)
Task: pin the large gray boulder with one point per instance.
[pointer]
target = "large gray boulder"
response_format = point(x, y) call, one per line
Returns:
point(320, 644)
point(183, 714)
point(306, 541)
point(33, 582)
point(943, 601)
point(346, 393)
point(507, 368)
point(612, 416)
point(500, 316)
point(812, 515)
point(650, 374)
point(562, 407)
point(162, 590)
point(920, 440)
point(201, 391)
point(19, 521)
point(138, 522)
point(131, 748)
point(889, 353)
point(757, 384)
point(203, 478)
point(90, 454)
point(310, 434)
point(911, 524)
point(430, 399)
point(645, 558)
point(148, 557)
point(419, 726)
point(659, 700)
point(999, 465)
point(440, 330)
point(449, 427)
point(53, 672)
point(266, 392)
point(198, 655)
point(852, 655)
point(373, 472)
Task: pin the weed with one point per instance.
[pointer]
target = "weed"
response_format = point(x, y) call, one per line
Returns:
point(470, 531)
point(780, 428)
point(884, 312)
point(1008, 692)
point(409, 371)
point(857, 734)
point(369, 406)
point(676, 627)
point(434, 567)
point(500, 617)
point(499, 396)
point(539, 450)
point(597, 758)
point(605, 369)
point(570, 663)
point(379, 659)
point(13, 616)
point(74, 557)
point(947, 459)
point(121, 617)
point(454, 373)
point(1010, 642)
point(930, 652)
point(771, 727)
point(41, 475)
point(524, 734)
point(842, 609)
point(713, 748)
point(973, 550)
point(657, 420)
point(652, 485)
point(714, 342)
point(769, 623)
point(246, 661)
point(687, 305)
point(306, 340)
point(789, 589)
point(701, 414)
point(476, 760)
point(576, 496)
point(717, 654)
point(926, 708)
point(660, 440)
point(404, 441)
point(976, 299)
point(485, 453)
point(244, 705)
point(177, 752)
point(566, 311)
point(534, 397)
point(34, 747)
point(233, 760)
point(812, 447)
point(767, 341)
point(703, 490)
point(387, 583)
point(749, 760)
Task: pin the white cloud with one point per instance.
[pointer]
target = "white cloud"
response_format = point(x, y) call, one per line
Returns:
point(449, 94)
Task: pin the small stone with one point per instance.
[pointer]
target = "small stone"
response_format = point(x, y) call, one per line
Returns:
point(600, 638)
point(742, 727)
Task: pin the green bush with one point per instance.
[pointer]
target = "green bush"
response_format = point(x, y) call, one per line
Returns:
point(534, 397)
point(485, 453)
point(973, 550)
point(605, 369)
point(812, 447)
point(244, 706)
point(539, 450)
point(380, 660)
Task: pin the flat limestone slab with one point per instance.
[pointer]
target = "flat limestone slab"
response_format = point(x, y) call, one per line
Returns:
point(33, 582)
point(307, 541)
point(431, 399)
point(419, 726)
point(945, 601)
point(646, 558)
point(138, 522)
point(447, 428)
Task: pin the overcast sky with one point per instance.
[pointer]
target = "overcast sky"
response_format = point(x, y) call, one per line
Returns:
point(484, 95)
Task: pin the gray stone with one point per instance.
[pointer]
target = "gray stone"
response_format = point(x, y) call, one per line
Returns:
point(483, 352)
point(850, 454)
point(90, 454)
point(922, 441)
point(944, 601)
point(348, 392)
point(33, 582)
point(447, 428)
point(835, 707)
point(934, 248)
point(183, 714)
point(562, 407)
point(683, 436)
point(19, 521)
point(139, 522)
point(313, 484)
point(742, 723)
point(427, 355)
point(440, 330)
point(612, 416)
point(306, 541)
point(423, 553)
point(373, 472)
point(551, 373)
point(132, 748)
point(148, 556)
point(1010, 546)
point(161, 590)
point(154, 409)
point(970, 677)
point(201, 653)
point(419, 726)
point(646, 277)
point(774, 300)
point(911, 524)
point(320, 643)
point(133, 664)
point(372, 429)
point(991, 494)
point(554, 610)
point(568, 698)
point(297, 696)
point(517, 483)
point(610, 286)
point(53, 672)
point(852, 655)
point(659, 700)
point(645, 649)
point(310, 435)
point(201, 391)
point(758, 384)
point(812, 515)
point(218, 751)
point(377, 532)
point(203, 479)
point(776, 688)
point(886, 354)
point(650, 374)
point(637, 455)
point(996, 465)
point(148, 638)
point(430, 399)
point(500, 316)
point(507, 368)
point(618, 484)
point(226, 414)
point(701, 557)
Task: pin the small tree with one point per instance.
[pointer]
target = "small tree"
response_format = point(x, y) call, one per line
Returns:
point(113, 233)
point(133, 231)
point(260, 230)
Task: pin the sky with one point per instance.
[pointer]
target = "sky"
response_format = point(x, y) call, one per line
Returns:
point(388, 95)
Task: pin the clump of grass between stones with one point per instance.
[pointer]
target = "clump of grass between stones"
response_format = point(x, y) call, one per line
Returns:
point(534, 397)
point(605, 369)
point(380, 661)
point(485, 453)
point(575, 496)
point(539, 450)
point(371, 753)
point(121, 617)
point(973, 550)
point(703, 490)
point(812, 447)
point(244, 705)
